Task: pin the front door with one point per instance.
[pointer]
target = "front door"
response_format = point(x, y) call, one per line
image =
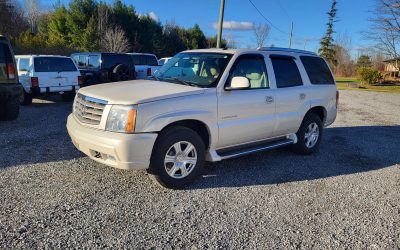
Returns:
point(246, 115)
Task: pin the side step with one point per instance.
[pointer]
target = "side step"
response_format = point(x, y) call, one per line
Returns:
point(249, 149)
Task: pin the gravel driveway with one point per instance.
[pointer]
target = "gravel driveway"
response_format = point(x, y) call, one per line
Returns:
point(345, 196)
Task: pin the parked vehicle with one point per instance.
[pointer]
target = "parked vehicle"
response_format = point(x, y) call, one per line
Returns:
point(209, 105)
point(47, 75)
point(10, 89)
point(164, 60)
point(99, 67)
point(145, 64)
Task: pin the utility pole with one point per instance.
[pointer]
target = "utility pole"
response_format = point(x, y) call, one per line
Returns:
point(221, 21)
point(291, 36)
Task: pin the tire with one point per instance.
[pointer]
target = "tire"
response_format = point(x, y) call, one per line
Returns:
point(68, 97)
point(26, 98)
point(122, 73)
point(175, 171)
point(11, 109)
point(309, 135)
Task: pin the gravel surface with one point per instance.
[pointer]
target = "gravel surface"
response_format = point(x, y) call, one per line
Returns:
point(345, 196)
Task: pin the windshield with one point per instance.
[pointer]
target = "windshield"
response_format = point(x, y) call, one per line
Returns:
point(195, 69)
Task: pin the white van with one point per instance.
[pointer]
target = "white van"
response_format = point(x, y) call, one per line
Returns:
point(46, 74)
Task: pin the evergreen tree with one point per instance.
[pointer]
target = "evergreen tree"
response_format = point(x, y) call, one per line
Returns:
point(327, 47)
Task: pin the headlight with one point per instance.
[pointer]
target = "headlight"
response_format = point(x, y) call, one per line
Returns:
point(121, 119)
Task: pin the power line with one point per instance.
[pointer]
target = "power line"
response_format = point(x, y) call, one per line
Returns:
point(266, 19)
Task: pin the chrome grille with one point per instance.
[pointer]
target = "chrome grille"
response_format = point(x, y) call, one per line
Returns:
point(88, 109)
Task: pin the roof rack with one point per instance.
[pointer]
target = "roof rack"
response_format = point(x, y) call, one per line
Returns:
point(286, 50)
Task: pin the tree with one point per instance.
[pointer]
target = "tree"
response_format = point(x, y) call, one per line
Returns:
point(385, 28)
point(345, 66)
point(261, 32)
point(115, 40)
point(364, 61)
point(32, 14)
point(12, 21)
point(326, 50)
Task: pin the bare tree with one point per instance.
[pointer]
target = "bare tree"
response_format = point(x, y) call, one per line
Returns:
point(115, 40)
point(345, 66)
point(32, 13)
point(261, 32)
point(385, 30)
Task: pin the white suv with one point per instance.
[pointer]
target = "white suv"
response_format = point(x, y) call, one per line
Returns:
point(145, 64)
point(209, 105)
point(41, 74)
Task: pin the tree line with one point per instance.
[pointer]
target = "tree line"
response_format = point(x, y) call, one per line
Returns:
point(90, 25)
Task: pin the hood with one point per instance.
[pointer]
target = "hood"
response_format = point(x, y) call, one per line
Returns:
point(138, 91)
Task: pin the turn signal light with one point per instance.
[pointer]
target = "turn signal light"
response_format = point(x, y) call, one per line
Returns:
point(10, 71)
point(80, 80)
point(35, 81)
point(130, 125)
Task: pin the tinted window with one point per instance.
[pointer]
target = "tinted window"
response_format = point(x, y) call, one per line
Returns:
point(5, 53)
point(111, 60)
point(253, 68)
point(286, 72)
point(53, 64)
point(317, 70)
point(23, 64)
point(80, 60)
point(151, 60)
point(136, 59)
point(94, 61)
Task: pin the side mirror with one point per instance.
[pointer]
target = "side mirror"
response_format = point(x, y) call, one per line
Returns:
point(239, 82)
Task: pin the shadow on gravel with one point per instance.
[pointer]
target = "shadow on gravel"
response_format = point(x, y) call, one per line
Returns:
point(344, 150)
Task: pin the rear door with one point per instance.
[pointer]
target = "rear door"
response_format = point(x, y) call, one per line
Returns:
point(291, 94)
point(56, 72)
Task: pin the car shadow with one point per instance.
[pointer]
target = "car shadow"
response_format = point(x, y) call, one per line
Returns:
point(343, 151)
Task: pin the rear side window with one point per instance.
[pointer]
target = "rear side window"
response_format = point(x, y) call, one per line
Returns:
point(53, 64)
point(152, 61)
point(286, 72)
point(144, 60)
point(23, 64)
point(5, 54)
point(112, 60)
point(317, 70)
point(94, 61)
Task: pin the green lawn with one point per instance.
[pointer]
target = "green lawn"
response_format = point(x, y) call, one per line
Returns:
point(351, 83)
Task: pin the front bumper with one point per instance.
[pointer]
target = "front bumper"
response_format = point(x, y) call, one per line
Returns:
point(124, 151)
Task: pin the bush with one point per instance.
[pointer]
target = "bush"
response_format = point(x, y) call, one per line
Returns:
point(367, 75)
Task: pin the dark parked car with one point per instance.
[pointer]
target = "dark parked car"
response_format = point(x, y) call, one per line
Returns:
point(97, 67)
point(10, 89)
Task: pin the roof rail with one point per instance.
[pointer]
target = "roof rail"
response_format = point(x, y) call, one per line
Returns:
point(286, 50)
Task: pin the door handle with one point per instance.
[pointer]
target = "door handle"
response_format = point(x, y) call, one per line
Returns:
point(302, 96)
point(269, 99)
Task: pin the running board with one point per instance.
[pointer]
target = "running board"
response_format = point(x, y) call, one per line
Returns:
point(226, 154)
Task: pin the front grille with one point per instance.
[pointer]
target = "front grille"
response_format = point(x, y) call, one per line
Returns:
point(88, 109)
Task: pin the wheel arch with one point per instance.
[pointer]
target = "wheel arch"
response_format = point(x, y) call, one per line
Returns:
point(318, 110)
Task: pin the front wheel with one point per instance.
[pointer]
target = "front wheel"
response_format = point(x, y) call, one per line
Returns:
point(309, 135)
point(178, 157)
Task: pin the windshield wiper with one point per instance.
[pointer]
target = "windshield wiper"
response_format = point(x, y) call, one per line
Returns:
point(155, 77)
point(188, 83)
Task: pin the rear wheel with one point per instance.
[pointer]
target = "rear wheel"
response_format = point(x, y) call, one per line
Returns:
point(10, 109)
point(25, 98)
point(178, 157)
point(122, 73)
point(309, 135)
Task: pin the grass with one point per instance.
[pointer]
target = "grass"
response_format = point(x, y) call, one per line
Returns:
point(350, 83)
